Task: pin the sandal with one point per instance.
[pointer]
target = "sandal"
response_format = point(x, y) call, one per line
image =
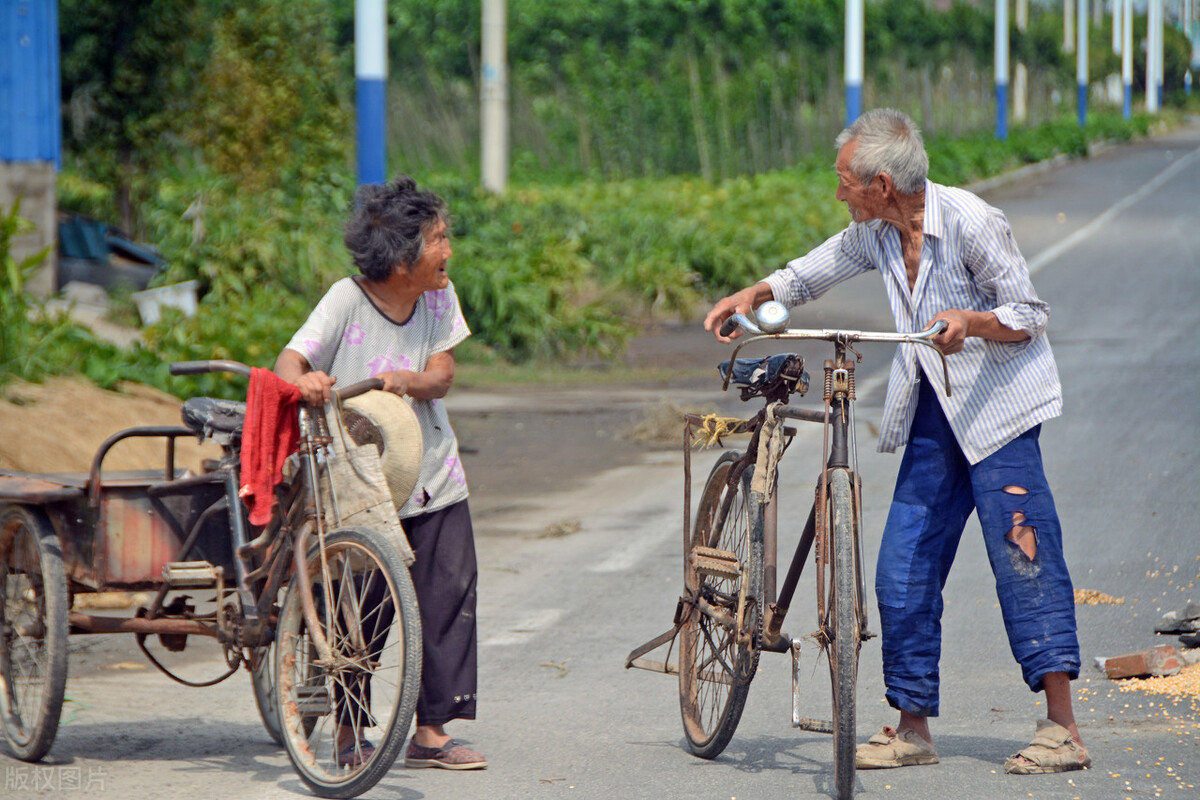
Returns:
point(888, 749)
point(355, 755)
point(1052, 750)
point(452, 755)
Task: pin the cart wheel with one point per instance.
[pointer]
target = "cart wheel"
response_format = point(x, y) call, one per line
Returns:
point(33, 631)
point(369, 694)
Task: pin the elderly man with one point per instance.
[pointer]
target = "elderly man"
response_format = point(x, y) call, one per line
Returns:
point(944, 254)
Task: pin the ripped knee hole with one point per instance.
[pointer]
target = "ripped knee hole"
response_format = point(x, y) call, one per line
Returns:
point(1023, 536)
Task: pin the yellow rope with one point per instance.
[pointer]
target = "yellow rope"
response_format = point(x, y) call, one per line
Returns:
point(712, 428)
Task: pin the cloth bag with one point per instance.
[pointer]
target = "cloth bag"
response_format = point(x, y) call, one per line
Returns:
point(354, 490)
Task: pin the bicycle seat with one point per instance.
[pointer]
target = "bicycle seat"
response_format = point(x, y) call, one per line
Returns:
point(210, 417)
point(774, 377)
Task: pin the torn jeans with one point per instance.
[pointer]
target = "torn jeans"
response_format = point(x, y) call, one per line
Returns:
point(936, 491)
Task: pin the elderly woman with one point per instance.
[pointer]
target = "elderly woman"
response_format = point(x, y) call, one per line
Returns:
point(400, 321)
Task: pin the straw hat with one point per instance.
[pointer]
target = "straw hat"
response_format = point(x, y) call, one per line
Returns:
point(389, 422)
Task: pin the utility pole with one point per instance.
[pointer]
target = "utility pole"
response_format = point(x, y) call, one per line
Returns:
point(1069, 25)
point(1001, 58)
point(31, 131)
point(493, 97)
point(1020, 73)
point(1153, 34)
point(1081, 62)
point(854, 59)
point(370, 71)
point(1127, 55)
point(1117, 5)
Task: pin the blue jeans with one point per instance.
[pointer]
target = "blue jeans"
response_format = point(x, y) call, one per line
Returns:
point(936, 491)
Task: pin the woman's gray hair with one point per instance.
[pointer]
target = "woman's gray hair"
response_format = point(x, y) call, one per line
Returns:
point(388, 226)
point(888, 141)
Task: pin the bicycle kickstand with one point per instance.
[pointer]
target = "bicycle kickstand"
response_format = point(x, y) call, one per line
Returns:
point(804, 723)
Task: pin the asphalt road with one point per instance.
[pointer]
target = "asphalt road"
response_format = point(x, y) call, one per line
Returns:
point(572, 580)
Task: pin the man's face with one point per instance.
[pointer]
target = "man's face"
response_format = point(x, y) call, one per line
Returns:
point(430, 269)
point(864, 200)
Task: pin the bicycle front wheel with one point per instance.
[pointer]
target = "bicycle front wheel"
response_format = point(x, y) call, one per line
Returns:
point(33, 631)
point(368, 614)
point(723, 576)
point(843, 625)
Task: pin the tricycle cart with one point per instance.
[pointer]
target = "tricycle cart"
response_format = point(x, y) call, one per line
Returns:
point(317, 604)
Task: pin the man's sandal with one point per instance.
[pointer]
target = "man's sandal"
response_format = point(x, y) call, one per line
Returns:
point(1052, 750)
point(888, 749)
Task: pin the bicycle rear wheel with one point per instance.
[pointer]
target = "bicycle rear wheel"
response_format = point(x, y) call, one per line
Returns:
point(718, 652)
point(33, 631)
point(374, 629)
point(843, 624)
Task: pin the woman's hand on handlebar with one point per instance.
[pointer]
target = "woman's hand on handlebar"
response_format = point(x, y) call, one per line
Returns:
point(396, 381)
point(315, 387)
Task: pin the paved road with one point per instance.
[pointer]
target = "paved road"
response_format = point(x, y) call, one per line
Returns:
point(571, 581)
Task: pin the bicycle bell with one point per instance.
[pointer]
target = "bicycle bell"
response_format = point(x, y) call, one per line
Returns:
point(773, 316)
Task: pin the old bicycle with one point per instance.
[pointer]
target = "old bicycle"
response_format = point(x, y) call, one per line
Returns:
point(731, 610)
point(317, 604)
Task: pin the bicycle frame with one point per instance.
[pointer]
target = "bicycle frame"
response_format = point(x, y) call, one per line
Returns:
point(839, 451)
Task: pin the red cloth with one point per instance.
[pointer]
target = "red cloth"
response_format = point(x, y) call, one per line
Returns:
point(269, 435)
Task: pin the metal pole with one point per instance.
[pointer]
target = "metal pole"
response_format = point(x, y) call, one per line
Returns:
point(1152, 32)
point(1081, 61)
point(1001, 48)
point(1020, 73)
point(370, 71)
point(1159, 68)
point(1117, 5)
point(1127, 55)
point(1068, 26)
point(493, 117)
point(854, 59)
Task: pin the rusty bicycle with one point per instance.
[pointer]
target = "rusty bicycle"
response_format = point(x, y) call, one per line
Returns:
point(731, 609)
point(317, 604)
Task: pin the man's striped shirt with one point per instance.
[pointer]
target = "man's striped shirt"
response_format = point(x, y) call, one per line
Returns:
point(969, 260)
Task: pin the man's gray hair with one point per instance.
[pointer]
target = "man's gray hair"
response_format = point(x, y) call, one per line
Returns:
point(888, 141)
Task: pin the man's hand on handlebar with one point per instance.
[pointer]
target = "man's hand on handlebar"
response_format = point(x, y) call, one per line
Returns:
point(743, 302)
point(951, 340)
point(315, 387)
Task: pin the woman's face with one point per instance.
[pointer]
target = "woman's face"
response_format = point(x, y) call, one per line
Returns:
point(429, 273)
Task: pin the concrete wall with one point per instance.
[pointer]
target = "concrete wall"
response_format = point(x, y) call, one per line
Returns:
point(33, 182)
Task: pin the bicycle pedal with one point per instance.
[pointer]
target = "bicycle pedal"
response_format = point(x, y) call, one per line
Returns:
point(716, 563)
point(815, 725)
point(312, 701)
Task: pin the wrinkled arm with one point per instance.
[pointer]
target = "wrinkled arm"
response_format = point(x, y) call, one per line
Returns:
point(431, 383)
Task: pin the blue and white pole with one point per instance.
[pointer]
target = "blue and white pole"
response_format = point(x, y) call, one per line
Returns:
point(1127, 54)
point(1081, 60)
point(370, 71)
point(1153, 32)
point(1001, 47)
point(854, 59)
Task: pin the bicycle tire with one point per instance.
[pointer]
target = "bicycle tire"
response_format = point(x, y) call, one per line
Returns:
point(361, 562)
point(33, 631)
point(716, 665)
point(262, 679)
point(844, 626)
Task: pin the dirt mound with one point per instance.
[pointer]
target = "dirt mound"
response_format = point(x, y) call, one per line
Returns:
point(58, 425)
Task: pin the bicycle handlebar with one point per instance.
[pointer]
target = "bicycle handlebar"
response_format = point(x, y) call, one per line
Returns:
point(217, 365)
point(202, 367)
point(831, 335)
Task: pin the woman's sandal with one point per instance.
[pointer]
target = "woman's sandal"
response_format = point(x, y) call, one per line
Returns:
point(1052, 750)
